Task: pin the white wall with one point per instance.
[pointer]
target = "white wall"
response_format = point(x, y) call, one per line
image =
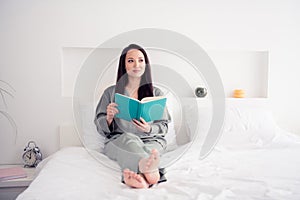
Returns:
point(33, 34)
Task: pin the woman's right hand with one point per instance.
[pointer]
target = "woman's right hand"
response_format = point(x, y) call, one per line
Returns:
point(111, 110)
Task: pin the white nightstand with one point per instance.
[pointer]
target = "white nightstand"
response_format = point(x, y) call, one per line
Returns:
point(10, 189)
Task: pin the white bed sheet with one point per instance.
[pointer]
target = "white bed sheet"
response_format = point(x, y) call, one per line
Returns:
point(256, 172)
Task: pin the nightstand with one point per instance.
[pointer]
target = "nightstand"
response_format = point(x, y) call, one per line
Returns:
point(10, 189)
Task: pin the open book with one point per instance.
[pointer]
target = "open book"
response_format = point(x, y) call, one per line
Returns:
point(149, 108)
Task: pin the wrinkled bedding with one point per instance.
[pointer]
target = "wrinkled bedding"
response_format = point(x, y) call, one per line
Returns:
point(254, 170)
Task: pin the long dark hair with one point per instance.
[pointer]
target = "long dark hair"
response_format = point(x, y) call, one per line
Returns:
point(146, 87)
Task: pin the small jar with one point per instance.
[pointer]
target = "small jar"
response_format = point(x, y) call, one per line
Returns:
point(238, 93)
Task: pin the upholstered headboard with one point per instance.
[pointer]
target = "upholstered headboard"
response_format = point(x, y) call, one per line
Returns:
point(68, 136)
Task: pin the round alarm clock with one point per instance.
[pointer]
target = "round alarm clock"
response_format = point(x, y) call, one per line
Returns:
point(32, 155)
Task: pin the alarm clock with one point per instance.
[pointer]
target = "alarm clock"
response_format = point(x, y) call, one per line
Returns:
point(32, 155)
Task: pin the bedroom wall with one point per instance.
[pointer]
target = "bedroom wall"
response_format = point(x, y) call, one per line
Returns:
point(34, 33)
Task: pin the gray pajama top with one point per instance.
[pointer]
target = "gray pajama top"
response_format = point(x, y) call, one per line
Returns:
point(118, 126)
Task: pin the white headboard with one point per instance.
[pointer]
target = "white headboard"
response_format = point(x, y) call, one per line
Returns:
point(68, 136)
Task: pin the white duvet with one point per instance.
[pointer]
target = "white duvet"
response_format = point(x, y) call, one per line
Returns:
point(257, 171)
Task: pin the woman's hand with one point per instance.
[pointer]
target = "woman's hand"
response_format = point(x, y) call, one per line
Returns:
point(111, 110)
point(142, 125)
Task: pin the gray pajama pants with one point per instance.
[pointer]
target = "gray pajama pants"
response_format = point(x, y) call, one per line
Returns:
point(128, 149)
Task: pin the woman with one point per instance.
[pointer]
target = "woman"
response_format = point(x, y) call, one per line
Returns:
point(135, 145)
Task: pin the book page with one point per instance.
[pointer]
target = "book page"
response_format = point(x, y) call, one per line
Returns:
point(128, 97)
point(146, 99)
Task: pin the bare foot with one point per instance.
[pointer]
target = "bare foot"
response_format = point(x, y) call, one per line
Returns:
point(149, 167)
point(134, 180)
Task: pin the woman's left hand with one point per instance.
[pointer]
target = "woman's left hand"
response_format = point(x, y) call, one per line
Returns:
point(142, 125)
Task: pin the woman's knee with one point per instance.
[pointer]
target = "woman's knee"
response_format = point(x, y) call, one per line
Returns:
point(128, 138)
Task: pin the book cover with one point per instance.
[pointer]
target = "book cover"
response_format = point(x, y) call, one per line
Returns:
point(149, 108)
point(12, 173)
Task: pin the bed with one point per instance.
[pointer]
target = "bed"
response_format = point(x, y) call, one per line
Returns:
point(254, 159)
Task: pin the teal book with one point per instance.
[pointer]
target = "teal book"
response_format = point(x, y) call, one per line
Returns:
point(149, 108)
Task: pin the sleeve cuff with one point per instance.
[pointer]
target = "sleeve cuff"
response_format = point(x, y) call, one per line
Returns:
point(154, 129)
point(103, 124)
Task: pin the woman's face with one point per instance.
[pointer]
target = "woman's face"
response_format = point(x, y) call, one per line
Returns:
point(135, 63)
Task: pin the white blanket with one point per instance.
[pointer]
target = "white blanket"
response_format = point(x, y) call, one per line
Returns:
point(255, 172)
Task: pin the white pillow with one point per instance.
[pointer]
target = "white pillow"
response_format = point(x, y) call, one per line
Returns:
point(248, 123)
point(178, 133)
point(171, 134)
point(248, 114)
point(91, 138)
point(197, 114)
